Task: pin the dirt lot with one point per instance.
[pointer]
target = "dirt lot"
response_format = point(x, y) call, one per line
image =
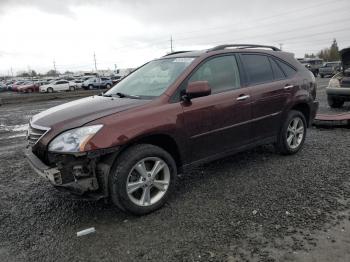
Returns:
point(254, 206)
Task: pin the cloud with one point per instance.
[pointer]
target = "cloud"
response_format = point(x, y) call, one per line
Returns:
point(50, 6)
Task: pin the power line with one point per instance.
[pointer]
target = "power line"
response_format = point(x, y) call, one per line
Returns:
point(264, 34)
point(274, 16)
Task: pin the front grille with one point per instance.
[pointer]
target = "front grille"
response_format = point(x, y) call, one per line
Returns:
point(35, 133)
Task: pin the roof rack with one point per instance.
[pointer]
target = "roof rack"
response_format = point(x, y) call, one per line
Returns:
point(176, 52)
point(242, 46)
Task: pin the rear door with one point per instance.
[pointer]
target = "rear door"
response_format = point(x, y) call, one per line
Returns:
point(64, 85)
point(218, 122)
point(270, 89)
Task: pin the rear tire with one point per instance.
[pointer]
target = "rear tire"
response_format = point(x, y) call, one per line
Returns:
point(50, 90)
point(334, 102)
point(71, 88)
point(90, 87)
point(108, 86)
point(157, 186)
point(292, 135)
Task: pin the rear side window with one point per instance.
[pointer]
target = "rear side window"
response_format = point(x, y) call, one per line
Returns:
point(221, 73)
point(288, 70)
point(258, 68)
point(277, 71)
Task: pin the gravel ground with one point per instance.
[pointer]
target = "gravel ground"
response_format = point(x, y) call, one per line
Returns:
point(253, 206)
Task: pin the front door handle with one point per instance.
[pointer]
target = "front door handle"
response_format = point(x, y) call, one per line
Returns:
point(242, 97)
point(287, 87)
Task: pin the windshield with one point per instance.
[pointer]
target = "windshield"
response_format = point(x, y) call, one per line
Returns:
point(152, 79)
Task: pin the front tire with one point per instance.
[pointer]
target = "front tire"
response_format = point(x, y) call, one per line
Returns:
point(71, 88)
point(292, 135)
point(50, 90)
point(142, 179)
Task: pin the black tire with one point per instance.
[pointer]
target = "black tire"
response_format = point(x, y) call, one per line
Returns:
point(71, 88)
point(108, 86)
point(334, 102)
point(282, 145)
point(50, 90)
point(118, 177)
point(321, 75)
point(90, 87)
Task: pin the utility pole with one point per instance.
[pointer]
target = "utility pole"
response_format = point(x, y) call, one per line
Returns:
point(95, 62)
point(171, 44)
point(11, 72)
point(98, 77)
point(54, 66)
point(281, 45)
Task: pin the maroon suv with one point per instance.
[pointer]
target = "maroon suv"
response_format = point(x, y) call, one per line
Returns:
point(181, 110)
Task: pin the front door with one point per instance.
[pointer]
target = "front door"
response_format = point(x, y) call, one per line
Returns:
point(219, 122)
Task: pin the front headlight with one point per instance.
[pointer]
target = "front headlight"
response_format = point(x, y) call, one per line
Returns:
point(73, 140)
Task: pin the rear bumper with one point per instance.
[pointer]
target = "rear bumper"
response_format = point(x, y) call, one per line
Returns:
point(339, 91)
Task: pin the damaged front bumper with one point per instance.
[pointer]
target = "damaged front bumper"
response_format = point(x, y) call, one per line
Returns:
point(84, 175)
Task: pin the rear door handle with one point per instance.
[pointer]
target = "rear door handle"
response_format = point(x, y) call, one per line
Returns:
point(287, 87)
point(242, 97)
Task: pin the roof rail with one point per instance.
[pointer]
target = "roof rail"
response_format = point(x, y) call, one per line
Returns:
point(241, 46)
point(176, 52)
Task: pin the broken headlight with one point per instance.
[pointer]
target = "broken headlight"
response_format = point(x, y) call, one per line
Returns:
point(73, 140)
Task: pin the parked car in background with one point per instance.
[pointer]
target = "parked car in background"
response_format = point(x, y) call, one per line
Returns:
point(97, 82)
point(116, 79)
point(3, 87)
point(14, 86)
point(59, 85)
point(313, 64)
point(338, 90)
point(78, 83)
point(173, 113)
point(29, 88)
point(330, 69)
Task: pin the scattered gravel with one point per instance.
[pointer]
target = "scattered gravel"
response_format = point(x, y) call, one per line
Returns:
point(253, 206)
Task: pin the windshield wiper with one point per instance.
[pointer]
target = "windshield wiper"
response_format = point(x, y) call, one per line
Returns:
point(122, 95)
point(109, 95)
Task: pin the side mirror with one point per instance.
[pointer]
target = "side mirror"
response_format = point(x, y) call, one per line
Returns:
point(197, 89)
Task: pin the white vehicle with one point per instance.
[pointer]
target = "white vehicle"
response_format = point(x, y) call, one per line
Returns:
point(59, 85)
point(78, 83)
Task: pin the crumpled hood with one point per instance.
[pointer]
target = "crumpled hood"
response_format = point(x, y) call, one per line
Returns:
point(79, 112)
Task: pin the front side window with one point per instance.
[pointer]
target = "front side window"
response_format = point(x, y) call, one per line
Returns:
point(152, 79)
point(258, 68)
point(221, 73)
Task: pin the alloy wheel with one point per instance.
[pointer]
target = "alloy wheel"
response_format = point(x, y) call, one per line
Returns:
point(295, 132)
point(148, 181)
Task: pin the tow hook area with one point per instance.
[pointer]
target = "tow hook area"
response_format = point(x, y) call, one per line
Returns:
point(83, 174)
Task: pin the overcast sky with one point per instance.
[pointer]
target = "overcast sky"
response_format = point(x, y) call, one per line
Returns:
point(34, 33)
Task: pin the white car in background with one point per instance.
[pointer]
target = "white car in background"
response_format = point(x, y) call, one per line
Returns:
point(78, 83)
point(59, 85)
